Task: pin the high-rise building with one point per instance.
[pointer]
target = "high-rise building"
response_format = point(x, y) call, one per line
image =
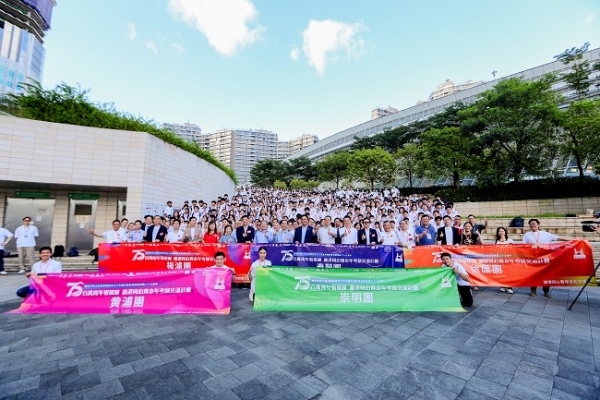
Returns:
point(301, 142)
point(283, 150)
point(187, 131)
point(379, 112)
point(241, 149)
point(23, 25)
point(448, 87)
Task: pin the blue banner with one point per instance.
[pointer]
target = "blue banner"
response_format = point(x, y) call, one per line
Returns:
point(332, 255)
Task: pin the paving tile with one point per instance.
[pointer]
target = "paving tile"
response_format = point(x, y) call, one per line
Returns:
point(163, 387)
point(103, 390)
point(342, 392)
point(222, 382)
point(577, 389)
point(20, 386)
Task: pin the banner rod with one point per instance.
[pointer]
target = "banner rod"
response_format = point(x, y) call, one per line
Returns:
point(586, 283)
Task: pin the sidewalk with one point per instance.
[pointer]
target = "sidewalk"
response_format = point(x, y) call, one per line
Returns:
point(505, 347)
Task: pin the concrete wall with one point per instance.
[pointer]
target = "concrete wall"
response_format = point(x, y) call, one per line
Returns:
point(151, 170)
point(577, 205)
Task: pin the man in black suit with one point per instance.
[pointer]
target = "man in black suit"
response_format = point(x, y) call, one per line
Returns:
point(304, 233)
point(448, 234)
point(367, 235)
point(156, 232)
point(245, 233)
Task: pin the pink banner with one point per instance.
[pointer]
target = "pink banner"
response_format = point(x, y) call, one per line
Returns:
point(202, 291)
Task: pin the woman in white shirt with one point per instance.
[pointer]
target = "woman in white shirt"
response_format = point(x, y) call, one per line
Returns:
point(502, 238)
point(176, 235)
point(260, 263)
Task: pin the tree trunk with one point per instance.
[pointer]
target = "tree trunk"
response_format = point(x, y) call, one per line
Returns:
point(456, 179)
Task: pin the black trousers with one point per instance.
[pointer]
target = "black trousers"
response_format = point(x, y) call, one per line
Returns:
point(546, 289)
point(466, 298)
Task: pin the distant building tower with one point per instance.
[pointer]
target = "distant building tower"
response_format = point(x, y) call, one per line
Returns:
point(301, 142)
point(283, 150)
point(23, 25)
point(448, 87)
point(379, 112)
point(187, 131)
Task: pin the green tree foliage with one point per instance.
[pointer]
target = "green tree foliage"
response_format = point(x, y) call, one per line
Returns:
point(580, 133)
point(265, 172)
point(394, 139)
point(578, 78)
point(297, 184)
point(279, 185)
point(334, 167)
point(69, 105)
point(408, 158)
point(301, 168)
point(515, 123)
point(447, 151)
point(372, 166)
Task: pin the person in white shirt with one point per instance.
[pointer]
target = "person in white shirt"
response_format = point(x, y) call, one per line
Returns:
point(327, 234)
point(406, 236)
point(5, 237)
point(116, 235)
point(46, 265)
point(388, 236)
point(176, 235)
point(349, 233)
point(462, 279)
point(136, 235)
point(168, 210)
point(536, 237)
point(260, 263)
point(25, 235)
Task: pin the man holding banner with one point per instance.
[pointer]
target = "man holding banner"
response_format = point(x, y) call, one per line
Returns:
point(462, 279)
point(537, 237)
point(46, 265)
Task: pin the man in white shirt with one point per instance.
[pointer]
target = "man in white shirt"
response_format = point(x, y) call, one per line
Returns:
point(462, 279)
point(25, 235)
point(536, 237)
point(349, 233)
point(388, 236)
point(327, 234)
point(46, 265)
point(116, 235)
point(5, 237)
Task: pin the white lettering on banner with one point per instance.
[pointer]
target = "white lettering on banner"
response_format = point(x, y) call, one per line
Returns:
point(127, 302)
point(75, 289)
point(138, 255)
point(345, 297)
point(303, 283)
point(138, 302)
point(288, 255)
point(115, 302)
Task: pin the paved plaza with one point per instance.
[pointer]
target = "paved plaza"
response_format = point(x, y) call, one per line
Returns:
point(505, 347)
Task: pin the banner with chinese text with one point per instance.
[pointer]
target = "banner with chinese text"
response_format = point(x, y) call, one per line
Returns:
point(557, 264)
point(134, 257)
point(203, 291)
point(332, 255)
point(354, 289)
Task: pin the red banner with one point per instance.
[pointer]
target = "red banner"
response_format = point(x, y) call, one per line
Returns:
point(558, 264)
point(205, 291)
point(135, 257)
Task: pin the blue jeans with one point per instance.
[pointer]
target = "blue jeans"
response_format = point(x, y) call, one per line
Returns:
point(25, 291)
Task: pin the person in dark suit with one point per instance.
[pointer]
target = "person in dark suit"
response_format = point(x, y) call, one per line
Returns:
point(367, 235)
point(245, 233)
point(448, 234)
point(156, 232)
point(304, 233)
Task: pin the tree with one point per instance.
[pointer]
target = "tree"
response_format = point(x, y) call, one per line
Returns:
point(371, 166)
point(301, 168)
point(265, 172)
point(580, 133)
point(334, 167)
point(578, 78)
point(407, 161)
point(297, 184)
point(515, 123)
point(447, 151)
point(279, 185)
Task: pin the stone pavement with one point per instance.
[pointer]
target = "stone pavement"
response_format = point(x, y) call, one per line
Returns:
point(506, 347)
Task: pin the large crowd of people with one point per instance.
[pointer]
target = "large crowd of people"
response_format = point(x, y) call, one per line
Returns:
point(263, 216)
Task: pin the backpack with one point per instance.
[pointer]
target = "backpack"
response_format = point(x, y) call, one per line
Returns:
point(59, 251)
point(73, 252)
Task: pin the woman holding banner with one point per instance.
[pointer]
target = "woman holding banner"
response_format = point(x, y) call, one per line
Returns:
point(502, 238)
point(260, 263)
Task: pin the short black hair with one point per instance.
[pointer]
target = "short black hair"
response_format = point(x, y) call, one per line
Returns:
point(219, 254)
point(445, 254)
point(45, 248)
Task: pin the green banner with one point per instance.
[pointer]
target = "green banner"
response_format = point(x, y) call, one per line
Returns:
point(349, 289)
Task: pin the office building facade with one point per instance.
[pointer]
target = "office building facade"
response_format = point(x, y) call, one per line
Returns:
point(23, 26)
point(344, 139)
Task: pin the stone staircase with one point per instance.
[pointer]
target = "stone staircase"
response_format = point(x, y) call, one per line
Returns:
point(81, 263)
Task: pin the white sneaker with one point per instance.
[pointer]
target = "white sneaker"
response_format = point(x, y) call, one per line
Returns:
point(3, 273)
point(21, 271)
point(509, 291)
point(502, 289)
